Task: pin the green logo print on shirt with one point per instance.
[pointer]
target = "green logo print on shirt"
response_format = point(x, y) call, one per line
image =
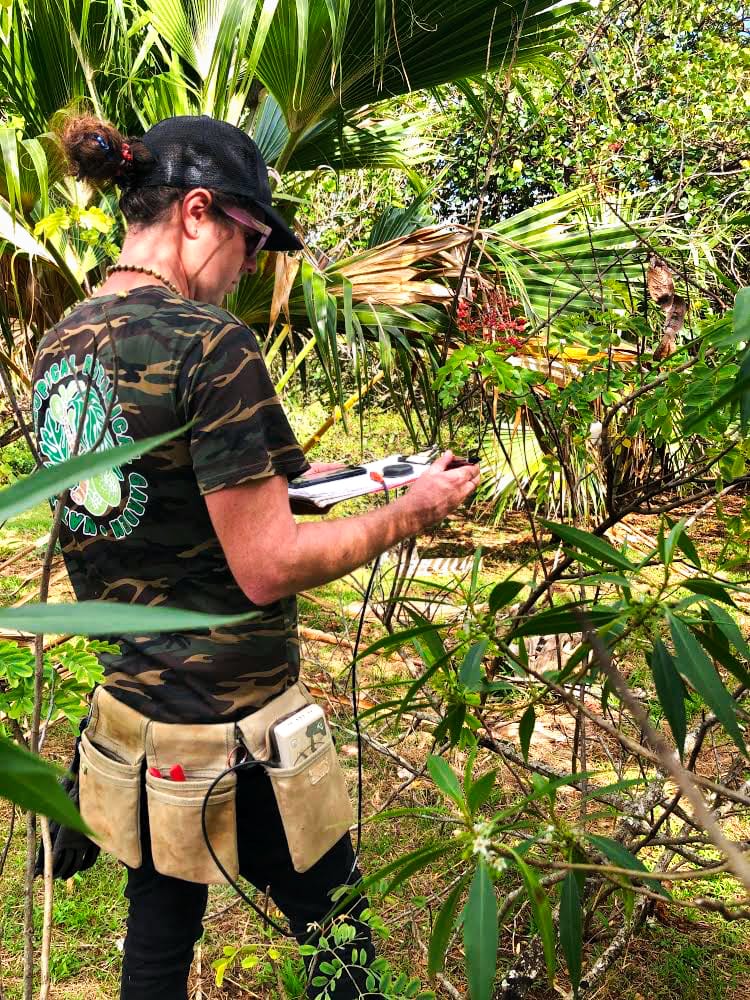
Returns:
point(106, 503)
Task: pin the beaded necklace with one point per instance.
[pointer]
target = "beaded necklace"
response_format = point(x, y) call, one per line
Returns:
point(140, 269)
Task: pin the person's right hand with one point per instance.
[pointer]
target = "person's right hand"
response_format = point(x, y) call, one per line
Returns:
point(440, 490)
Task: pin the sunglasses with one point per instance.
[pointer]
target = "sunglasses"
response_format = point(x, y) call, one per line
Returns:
point(256, 233)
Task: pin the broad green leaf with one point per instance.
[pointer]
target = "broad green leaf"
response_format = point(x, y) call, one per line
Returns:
point(481, 934)
point(542, 912)
point(480, 791)
point(741, 315)
point(729, 628)
point(398, 639)
point(442, 928)
point(685, 544)
point(407, 703)
point(34, 784)
point(599, 548)
point(445, 778)
point(526, 730)
point(671, 692)
point(719, 651)
point(470, 671)
point(693, 663)
point(709, 588)
point(51, 481)
point(434, 648)
point(503, 593)
point(566, 618)
point(622, 858)
point(416, 864)
point(110, 618)
point(571, 929)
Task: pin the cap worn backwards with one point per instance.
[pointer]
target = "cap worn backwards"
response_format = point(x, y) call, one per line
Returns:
point(198, 151)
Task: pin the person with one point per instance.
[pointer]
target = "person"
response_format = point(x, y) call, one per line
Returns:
point(202, 522)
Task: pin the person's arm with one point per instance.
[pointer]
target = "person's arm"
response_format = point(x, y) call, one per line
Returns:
point(271, 556)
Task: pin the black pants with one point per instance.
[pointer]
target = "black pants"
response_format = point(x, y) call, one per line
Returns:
point(165, 914)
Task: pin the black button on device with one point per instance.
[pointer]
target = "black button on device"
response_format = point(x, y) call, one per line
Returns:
point(398, 469)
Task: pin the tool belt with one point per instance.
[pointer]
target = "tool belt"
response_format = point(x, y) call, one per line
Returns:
point(119, 743)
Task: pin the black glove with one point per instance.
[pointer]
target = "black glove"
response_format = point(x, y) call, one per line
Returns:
point(72, 851)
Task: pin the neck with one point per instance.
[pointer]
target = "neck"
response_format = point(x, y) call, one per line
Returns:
point(146, 249)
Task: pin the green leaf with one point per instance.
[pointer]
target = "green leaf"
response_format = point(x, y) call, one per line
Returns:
point(741, 315)
point(481, 934)
point(599, 548)
point(470, 671)
point(417, 864)
point(622, 858)
point(503, 593)
point(49, 482)
point(720, 652)
point(526, 730)
point(571, 929)
point(480, 791)
point(542, 912)
point(445, 778)
point(709, 588)
point(564, 618)
point(110, 618)
point(430, 647)
point(33, 784)
point(729, 628)
point(685, 544)
point(442, 928)
point(671, 692)
point(694, 664)
point(398, 639)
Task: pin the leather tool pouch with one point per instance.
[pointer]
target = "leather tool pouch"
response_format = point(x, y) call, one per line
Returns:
point(178, 847)
point(109, 778)
point(312, 797)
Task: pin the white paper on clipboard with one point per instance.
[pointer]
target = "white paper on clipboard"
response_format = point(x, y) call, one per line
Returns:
point(325, 494)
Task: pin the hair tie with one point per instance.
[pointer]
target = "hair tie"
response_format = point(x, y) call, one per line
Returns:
point(101, 141)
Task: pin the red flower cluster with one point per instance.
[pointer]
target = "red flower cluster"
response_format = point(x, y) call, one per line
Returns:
point(493, 322)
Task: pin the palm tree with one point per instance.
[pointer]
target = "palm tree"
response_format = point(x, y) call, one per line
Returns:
point(311, 81)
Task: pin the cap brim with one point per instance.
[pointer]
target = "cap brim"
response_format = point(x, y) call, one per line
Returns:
point(282, 237)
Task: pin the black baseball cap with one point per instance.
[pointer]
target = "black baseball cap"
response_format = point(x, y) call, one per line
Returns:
point(199, 151)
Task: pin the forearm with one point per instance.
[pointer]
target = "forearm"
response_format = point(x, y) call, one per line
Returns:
point(327, 550)
point(272, 556)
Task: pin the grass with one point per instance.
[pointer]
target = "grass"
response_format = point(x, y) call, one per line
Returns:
point(701, 958)
point(30, 525)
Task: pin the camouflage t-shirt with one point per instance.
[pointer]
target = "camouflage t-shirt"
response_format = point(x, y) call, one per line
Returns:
point(150, 362)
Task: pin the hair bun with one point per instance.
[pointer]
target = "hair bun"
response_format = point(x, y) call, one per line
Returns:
point(97, 152)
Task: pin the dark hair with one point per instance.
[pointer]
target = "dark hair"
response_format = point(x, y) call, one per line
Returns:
point(98, 153)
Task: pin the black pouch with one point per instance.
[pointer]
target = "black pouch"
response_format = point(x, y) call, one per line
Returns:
point(72, 851)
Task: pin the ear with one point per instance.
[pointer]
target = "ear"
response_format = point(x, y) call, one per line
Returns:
point(194, 210)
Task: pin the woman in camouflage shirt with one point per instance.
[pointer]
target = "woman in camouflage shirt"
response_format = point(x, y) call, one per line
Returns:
point(203, 522)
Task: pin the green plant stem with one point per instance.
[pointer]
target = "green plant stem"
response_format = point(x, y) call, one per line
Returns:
point(286, 154)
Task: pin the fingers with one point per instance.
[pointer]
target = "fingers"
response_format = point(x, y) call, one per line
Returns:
point(441, 464)
point(320, 468)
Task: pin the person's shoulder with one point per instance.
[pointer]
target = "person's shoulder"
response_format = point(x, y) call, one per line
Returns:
point(220, 317)
point(221, 328)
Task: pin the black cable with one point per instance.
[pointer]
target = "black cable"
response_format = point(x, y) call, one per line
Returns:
point(243, 896)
